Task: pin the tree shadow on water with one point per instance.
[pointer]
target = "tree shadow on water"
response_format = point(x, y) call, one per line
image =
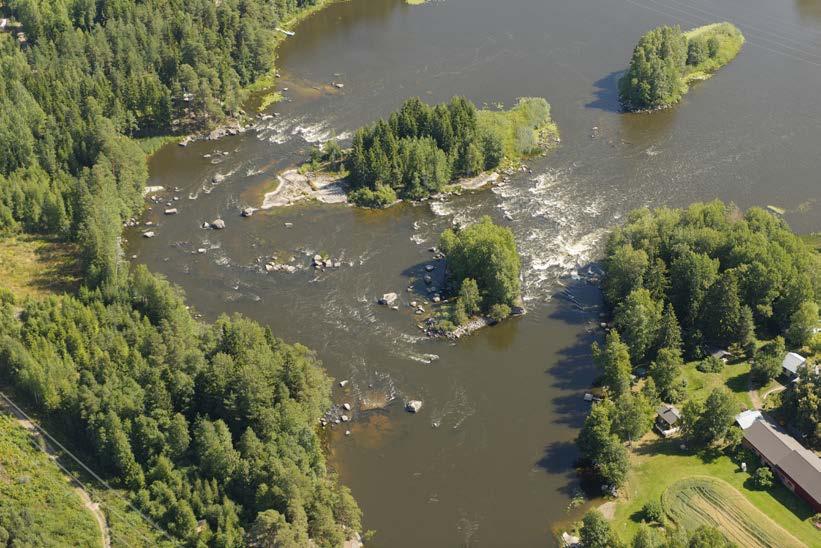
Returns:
point(607, 93)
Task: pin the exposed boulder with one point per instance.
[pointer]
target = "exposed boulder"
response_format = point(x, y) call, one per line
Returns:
point(218, 224)
point(413, 406)
point(247, 212)
point(388, 299)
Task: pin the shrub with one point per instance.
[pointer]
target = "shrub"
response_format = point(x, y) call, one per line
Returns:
point(379, 198)
point(499, 312)
point(710, 364)
point(653, 511)
point(713, 46)
point(697, 52)
point(763, 478)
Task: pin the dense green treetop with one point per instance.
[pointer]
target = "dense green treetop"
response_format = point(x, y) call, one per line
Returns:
point(486, 253)
point(421, 148)
point(716, 267)
point(654, 77)
point(214, 423)
point(666, 59)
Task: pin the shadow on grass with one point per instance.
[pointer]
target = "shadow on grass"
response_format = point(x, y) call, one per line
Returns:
point(739, 383)
point(784, 496)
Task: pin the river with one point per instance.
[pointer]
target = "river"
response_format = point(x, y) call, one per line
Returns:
point(488, 460)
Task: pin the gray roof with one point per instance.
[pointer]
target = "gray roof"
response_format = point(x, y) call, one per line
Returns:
point(669, 413)
point(792, 362)
point(781, 449)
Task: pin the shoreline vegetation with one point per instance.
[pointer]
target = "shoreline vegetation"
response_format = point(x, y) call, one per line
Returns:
point(705, 303)
point(422, 151)
point(666, 61)
point(257, 95)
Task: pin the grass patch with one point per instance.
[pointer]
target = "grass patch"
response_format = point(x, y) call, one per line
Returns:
point(32, 487)
point(734, 376)
point(38, 265)
point(730, 41)
point(658, 463)
point(526, 129)
point(150, 145)
point(693, 502)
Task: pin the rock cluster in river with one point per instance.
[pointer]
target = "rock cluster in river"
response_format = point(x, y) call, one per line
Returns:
point(320, 263)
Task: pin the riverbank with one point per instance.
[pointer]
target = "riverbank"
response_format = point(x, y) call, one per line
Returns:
point(262, 93)
point(256, 97)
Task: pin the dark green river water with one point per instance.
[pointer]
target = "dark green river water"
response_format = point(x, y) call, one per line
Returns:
point(497, 471)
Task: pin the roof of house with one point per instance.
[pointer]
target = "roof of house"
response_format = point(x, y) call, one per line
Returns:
point(792, 362)
point(668, 413)
point(720, 353)
point(746, 418)
point(782, 450)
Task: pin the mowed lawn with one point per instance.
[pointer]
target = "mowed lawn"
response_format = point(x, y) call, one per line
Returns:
point(703, 500)
point(658, 463)
point(735, 377)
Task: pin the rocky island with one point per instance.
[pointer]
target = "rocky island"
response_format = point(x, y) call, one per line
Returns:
point(421, 151)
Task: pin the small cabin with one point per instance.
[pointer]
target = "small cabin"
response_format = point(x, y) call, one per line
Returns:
point(792, 363)
point(667, 420)
point(721, 354)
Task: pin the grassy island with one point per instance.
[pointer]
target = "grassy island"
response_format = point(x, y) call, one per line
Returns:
point(706, 301)
point(483, 277)
point(666, 61)
point(421, 150)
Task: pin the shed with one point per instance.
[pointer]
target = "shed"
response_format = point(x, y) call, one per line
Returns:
point(745, 419)
point(721, 354)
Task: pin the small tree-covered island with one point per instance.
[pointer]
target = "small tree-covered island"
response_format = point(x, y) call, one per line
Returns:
point(666, 61)
point(708, 400)
point(422, 150)
point(483, 279)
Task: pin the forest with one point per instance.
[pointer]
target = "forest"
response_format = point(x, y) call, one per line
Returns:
point(666, 60)
point(420, 148)
point(212, 428)
point(84, 78)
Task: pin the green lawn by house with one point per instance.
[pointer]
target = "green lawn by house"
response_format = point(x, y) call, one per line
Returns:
point(735, 376)
point(658, 463)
